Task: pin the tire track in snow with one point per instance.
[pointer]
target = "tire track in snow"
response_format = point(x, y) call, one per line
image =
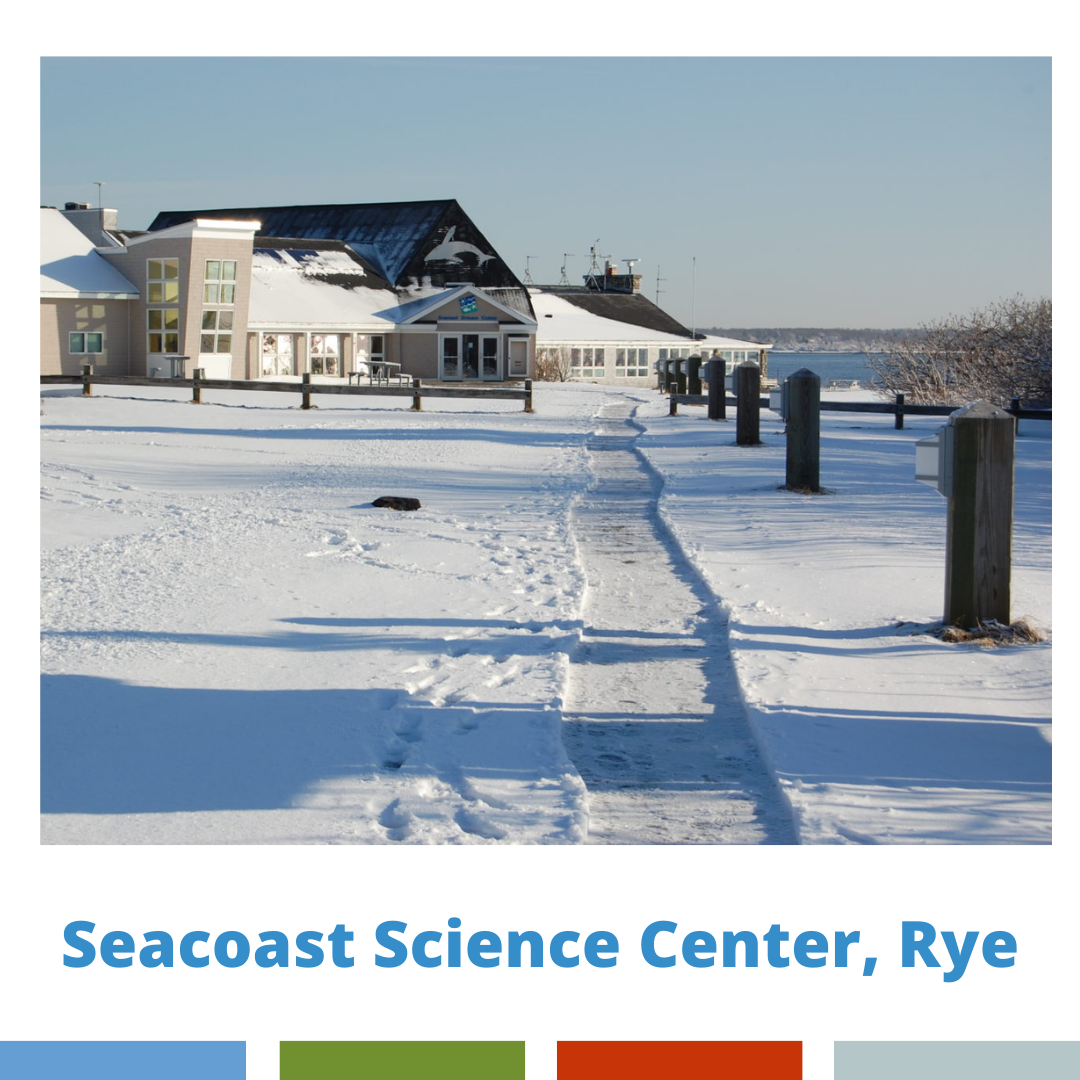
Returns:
point(654, 721)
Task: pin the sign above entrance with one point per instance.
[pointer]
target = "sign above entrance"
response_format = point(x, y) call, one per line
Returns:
point(468, 305)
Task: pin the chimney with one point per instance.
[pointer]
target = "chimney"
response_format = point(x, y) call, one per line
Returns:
point(92, 222)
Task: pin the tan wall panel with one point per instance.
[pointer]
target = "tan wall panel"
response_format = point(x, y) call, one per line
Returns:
point(418, 355)
point(62, 317)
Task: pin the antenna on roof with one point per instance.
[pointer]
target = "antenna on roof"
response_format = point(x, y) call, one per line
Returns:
point(693, 296)
point(564, 280)
point(100, 185)
point(630, 265)
point(594, 266)
point(658, 289)
point(527, 279)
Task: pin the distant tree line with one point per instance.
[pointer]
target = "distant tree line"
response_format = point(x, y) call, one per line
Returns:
point(816, 338)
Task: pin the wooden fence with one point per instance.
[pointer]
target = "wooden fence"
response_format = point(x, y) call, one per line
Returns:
point(897, 408)
point(306, 388)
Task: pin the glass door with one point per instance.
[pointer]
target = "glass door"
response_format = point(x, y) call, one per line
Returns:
point(469, 356)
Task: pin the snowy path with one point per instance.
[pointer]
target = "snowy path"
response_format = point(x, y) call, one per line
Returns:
point(654, 721)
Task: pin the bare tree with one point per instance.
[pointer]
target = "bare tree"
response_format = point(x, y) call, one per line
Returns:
point(995, 353)
point(552, 363)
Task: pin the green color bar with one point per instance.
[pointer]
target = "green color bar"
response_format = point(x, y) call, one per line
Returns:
point(402, 1061)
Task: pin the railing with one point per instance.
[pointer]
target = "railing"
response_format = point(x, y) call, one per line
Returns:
point(305, 388)
point(897, 408)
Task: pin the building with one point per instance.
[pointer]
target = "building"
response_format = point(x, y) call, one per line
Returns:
point(283, 291)
point(606, 331)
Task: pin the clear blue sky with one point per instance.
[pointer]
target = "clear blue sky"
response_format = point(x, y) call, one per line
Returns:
point(768, 192)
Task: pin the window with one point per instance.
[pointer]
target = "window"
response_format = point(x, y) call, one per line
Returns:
point(370, 347)
point(632, 363)
point(277, 354)
point(162, 281)
point(216, 332)
point(86, 343)
point(451, 368)
point(163, 330)
point(219, 285)
point(325, 354)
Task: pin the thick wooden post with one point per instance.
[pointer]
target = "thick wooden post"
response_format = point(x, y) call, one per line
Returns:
point(87, 371)
point(305, 400)
point(693, 375)
point(528, 400)
point(673, 404)
point(416, 403)
point(717, 391)
point(899, 425)
point(978, 532)
point(748, 404)
point(803, 431)
point(196, 389)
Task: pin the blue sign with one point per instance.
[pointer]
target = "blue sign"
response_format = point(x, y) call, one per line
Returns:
point(468, 305)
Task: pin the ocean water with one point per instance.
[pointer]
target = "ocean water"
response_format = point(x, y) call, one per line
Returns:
point(831, 367)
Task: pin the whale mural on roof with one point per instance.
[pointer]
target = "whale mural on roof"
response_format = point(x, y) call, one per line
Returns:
point(450, 250)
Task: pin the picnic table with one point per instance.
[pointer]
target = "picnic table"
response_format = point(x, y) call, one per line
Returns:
point(380, 373)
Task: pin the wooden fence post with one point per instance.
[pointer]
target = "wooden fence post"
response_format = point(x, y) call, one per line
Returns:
point(673, 404)
point(717, 391)
point(978, 531)
point(693, 377)
point(748, 404)
point(528, 400)
point(899, 410)
point(416, 404)
point(196, 389)
point(87, 371)
point(305, 399)
point(803, 431)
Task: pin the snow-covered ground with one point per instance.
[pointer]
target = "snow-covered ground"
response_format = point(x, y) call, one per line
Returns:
point(238, 648)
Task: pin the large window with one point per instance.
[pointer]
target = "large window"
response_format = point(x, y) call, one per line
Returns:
point(587, 363)
point(163, 330)
point(633, 363)
point(325, 354)
point(162, 281)
point(86, 343)
point(219, 285)
point(216, 332)
point(277, 354)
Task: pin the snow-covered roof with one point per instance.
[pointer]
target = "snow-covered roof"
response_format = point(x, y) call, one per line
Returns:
point(560, 320)
point(317, 288)
point(70, 267)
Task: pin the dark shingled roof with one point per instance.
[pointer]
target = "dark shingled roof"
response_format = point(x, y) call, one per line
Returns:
point(386, 234)
point(624, 307)
point(301, 244)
